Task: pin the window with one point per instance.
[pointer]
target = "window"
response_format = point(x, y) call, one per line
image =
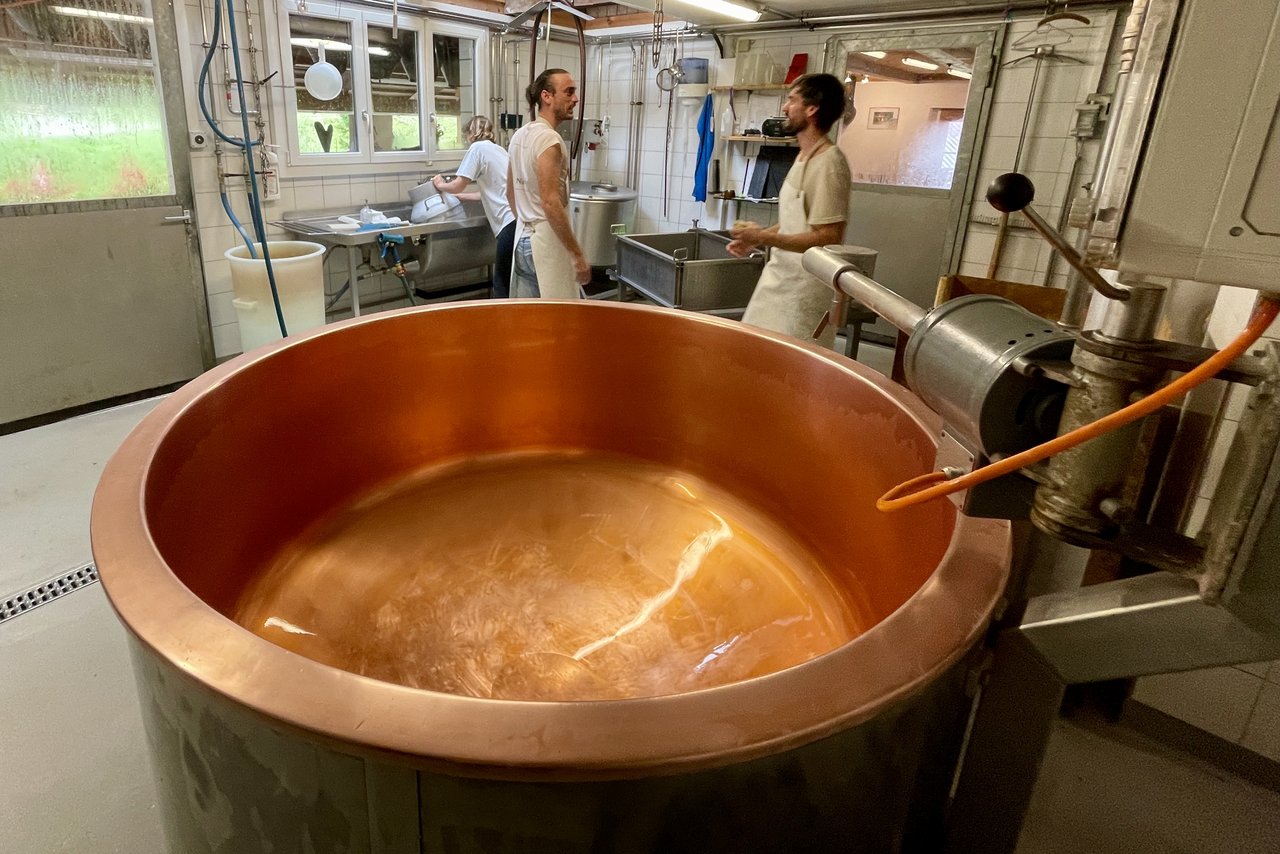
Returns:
point(904, 116)
point(80, 110)
point(454, 64)
point(406, 90)
point(322, 126)
point(394, 90)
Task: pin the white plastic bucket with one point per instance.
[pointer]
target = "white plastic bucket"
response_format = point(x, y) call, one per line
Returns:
point(299, 272)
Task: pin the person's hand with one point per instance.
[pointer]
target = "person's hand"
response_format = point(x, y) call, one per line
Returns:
point(581, 269)
point(740, 248)
point(436, 181)
point(747, 232)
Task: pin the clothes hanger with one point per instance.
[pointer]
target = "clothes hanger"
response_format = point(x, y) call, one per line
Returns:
point(1043, 42)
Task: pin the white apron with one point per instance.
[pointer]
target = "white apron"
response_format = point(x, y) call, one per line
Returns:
point(551, 262)
point(788, 299)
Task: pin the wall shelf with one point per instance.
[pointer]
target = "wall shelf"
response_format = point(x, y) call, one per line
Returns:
point(763, 140)
point(736, 198)
point(753, 87)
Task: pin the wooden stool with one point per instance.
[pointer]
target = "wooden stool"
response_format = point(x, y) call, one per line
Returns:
point(857, 315)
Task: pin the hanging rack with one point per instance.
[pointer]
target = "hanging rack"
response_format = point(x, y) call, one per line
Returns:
point(1042, 43)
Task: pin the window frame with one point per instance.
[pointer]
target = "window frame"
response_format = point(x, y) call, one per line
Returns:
point(295, 164)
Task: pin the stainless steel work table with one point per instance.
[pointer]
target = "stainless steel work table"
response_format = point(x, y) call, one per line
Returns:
point(316, 226)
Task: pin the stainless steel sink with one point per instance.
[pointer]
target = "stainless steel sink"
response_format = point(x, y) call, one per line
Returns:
point(450, 243)
point(318, 225)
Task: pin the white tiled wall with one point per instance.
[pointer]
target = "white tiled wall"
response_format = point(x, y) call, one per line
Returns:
point(672, 162)
point(1048, 151)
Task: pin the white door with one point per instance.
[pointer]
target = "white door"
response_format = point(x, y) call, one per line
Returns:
point(101, 290)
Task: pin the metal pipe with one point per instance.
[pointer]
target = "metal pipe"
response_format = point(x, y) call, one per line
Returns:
point(987, 12)
point(575, 152)
point(1076, 305)
point(844, 276)
point(260, 123)
point(1135, 320)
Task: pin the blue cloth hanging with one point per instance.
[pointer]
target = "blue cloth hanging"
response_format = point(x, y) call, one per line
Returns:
point(706, 144)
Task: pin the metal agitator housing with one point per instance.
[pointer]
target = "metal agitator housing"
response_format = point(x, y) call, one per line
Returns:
point(260, 749)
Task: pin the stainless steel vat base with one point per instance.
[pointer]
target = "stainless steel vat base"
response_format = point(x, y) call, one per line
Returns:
point(234, 781)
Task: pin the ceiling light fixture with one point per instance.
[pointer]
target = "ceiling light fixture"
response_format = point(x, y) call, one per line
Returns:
point(874, 54)
point(961, 73)
point(76, 12)
point(919, 63)
point(736, 9)
point(327, 44)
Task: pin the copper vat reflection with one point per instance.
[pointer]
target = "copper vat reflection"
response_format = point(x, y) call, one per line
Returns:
point(245, 457)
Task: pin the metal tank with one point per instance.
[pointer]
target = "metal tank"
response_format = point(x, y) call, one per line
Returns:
point(257, 748)
point(597, 211)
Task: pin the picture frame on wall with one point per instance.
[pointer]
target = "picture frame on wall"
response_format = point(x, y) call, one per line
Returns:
point(882, 118)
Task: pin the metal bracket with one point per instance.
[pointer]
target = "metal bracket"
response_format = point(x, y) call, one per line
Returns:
point(1091, 115)
point(1171, 356)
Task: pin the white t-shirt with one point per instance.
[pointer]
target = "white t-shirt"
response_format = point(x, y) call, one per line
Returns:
point(486, 164)
point(527, 146)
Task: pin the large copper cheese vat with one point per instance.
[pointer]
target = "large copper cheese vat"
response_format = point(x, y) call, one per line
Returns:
point(259, 749)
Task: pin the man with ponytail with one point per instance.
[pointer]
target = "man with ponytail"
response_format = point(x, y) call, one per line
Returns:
point(548, 260)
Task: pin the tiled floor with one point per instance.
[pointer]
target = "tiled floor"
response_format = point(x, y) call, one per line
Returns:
point(73, 775)
point(73, 765)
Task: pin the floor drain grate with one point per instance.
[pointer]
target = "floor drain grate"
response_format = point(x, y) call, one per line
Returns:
point(48, 591)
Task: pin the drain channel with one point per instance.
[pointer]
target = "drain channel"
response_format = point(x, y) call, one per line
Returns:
point(48, 591)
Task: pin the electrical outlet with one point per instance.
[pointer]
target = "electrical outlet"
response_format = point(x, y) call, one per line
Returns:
point(199, 140)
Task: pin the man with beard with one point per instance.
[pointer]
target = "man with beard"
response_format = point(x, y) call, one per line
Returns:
point(548, 260)
point(812, 209)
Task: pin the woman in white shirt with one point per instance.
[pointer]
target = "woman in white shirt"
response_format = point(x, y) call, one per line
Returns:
point(485, 165)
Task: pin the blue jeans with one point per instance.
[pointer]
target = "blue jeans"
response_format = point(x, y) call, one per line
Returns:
point(525, 280)
point(502, 263)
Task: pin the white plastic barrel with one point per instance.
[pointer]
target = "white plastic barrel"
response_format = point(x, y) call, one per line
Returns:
point(299, 272)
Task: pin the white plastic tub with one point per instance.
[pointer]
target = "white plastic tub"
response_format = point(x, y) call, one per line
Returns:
point(299, 272)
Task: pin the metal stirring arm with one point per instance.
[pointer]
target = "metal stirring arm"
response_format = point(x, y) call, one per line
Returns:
point(845, 278)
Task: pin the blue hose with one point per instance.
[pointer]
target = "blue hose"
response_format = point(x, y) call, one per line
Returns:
point(255, 208)
point(204, 74)
point(248, 241)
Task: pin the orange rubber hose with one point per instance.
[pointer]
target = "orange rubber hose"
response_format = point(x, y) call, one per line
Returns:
point(904, 494)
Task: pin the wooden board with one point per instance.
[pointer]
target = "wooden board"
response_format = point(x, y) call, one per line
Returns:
point(1039, 300)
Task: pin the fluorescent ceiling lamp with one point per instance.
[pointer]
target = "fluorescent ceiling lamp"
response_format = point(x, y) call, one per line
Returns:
point(919, 63)
point(341, 47)
point(961, 73)
point(76, 12)
point(736, 9)
point(876, 54)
